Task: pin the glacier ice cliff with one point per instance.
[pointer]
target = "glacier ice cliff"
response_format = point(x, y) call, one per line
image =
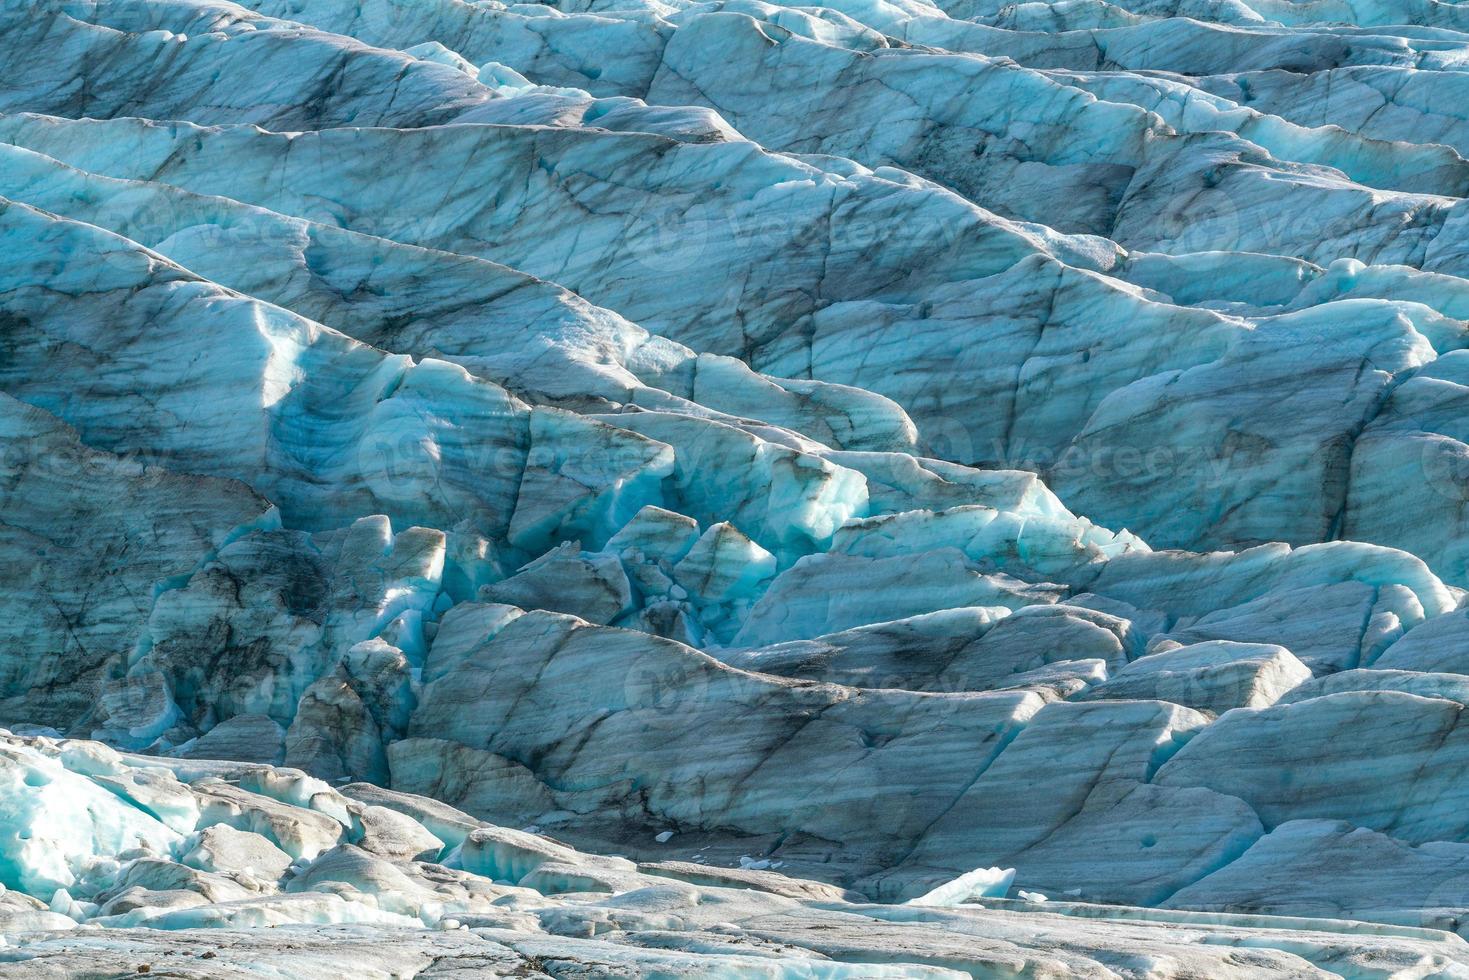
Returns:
point(734, 488)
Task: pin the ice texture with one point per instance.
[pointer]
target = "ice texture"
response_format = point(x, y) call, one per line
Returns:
point(734, 488)
point(108, 886)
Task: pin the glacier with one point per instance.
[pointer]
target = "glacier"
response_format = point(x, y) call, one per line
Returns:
point(734, 488)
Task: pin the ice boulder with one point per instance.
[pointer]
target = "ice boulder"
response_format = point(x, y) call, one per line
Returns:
point(61, 829)
point(1213, 676)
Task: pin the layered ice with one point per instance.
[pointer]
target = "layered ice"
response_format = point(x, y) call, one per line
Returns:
point(137, 864)
point(891, 488)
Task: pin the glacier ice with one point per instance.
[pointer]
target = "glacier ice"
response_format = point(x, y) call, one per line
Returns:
point(884, 488)
point(979, 883)
point(390, 896)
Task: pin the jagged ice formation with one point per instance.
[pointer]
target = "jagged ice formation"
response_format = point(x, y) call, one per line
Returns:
point(888, 488)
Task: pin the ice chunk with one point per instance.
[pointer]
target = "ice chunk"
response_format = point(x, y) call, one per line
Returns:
point(593, 586)
point(58, 825)
point(1213, 676)
point(979, 883)
point(832, 592)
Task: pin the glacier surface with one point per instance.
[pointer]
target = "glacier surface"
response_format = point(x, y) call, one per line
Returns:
point(734, 488)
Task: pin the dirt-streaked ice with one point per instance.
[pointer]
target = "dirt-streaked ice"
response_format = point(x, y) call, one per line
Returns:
point(887, 488)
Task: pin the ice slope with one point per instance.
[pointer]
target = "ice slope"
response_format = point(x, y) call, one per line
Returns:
point(244, 870)
point(61, 518)
point(1048, 323)
point(886, 444)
